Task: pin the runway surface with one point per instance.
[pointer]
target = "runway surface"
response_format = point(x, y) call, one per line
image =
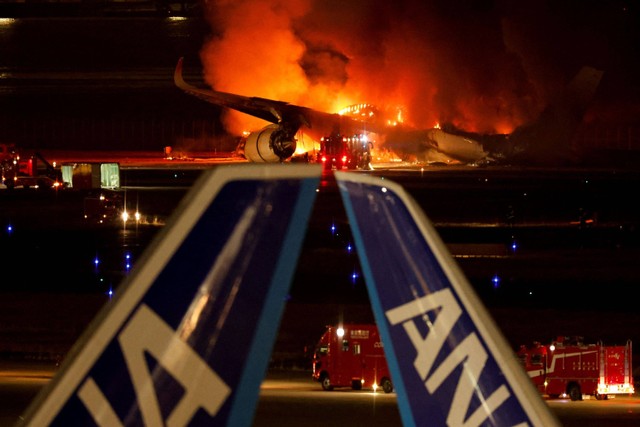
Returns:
point(556, 249)
point(291, 398)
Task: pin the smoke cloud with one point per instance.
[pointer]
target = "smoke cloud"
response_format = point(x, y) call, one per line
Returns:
point(482, 65)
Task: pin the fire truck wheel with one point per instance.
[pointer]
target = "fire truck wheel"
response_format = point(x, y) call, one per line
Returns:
point(326, 383)
point(356, 384)
point(575, 393)
point(387, 386)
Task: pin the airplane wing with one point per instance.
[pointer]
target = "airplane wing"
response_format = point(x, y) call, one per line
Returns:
point(322, 123)
point(449, 362)
point(270, 110)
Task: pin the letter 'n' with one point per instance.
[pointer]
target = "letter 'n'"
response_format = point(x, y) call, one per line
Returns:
point(427, 348)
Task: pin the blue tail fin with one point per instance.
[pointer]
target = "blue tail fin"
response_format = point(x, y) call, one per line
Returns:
point(188, 338)
point(449, 363)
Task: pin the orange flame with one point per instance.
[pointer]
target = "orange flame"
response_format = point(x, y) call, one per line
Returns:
point(327, 55)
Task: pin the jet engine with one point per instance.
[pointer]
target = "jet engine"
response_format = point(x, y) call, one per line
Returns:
point(271, 144)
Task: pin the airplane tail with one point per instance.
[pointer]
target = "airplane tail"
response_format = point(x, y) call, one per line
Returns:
point(549, 139)
point(188, 337)
point(449, 362)
point(546, 141)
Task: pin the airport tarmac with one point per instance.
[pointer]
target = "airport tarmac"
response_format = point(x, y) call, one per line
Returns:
point(566, 274)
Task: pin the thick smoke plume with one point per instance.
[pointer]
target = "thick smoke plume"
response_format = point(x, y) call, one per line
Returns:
point(481, 65)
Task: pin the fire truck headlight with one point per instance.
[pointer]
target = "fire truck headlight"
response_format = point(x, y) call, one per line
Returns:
point(340, 332)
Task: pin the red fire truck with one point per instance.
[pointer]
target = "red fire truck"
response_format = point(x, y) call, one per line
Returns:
point(568, 367)
point(351, 355)
point(342, 152)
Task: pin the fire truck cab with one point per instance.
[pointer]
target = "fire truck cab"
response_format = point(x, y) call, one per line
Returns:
point(569, 367)
point(351, 355)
